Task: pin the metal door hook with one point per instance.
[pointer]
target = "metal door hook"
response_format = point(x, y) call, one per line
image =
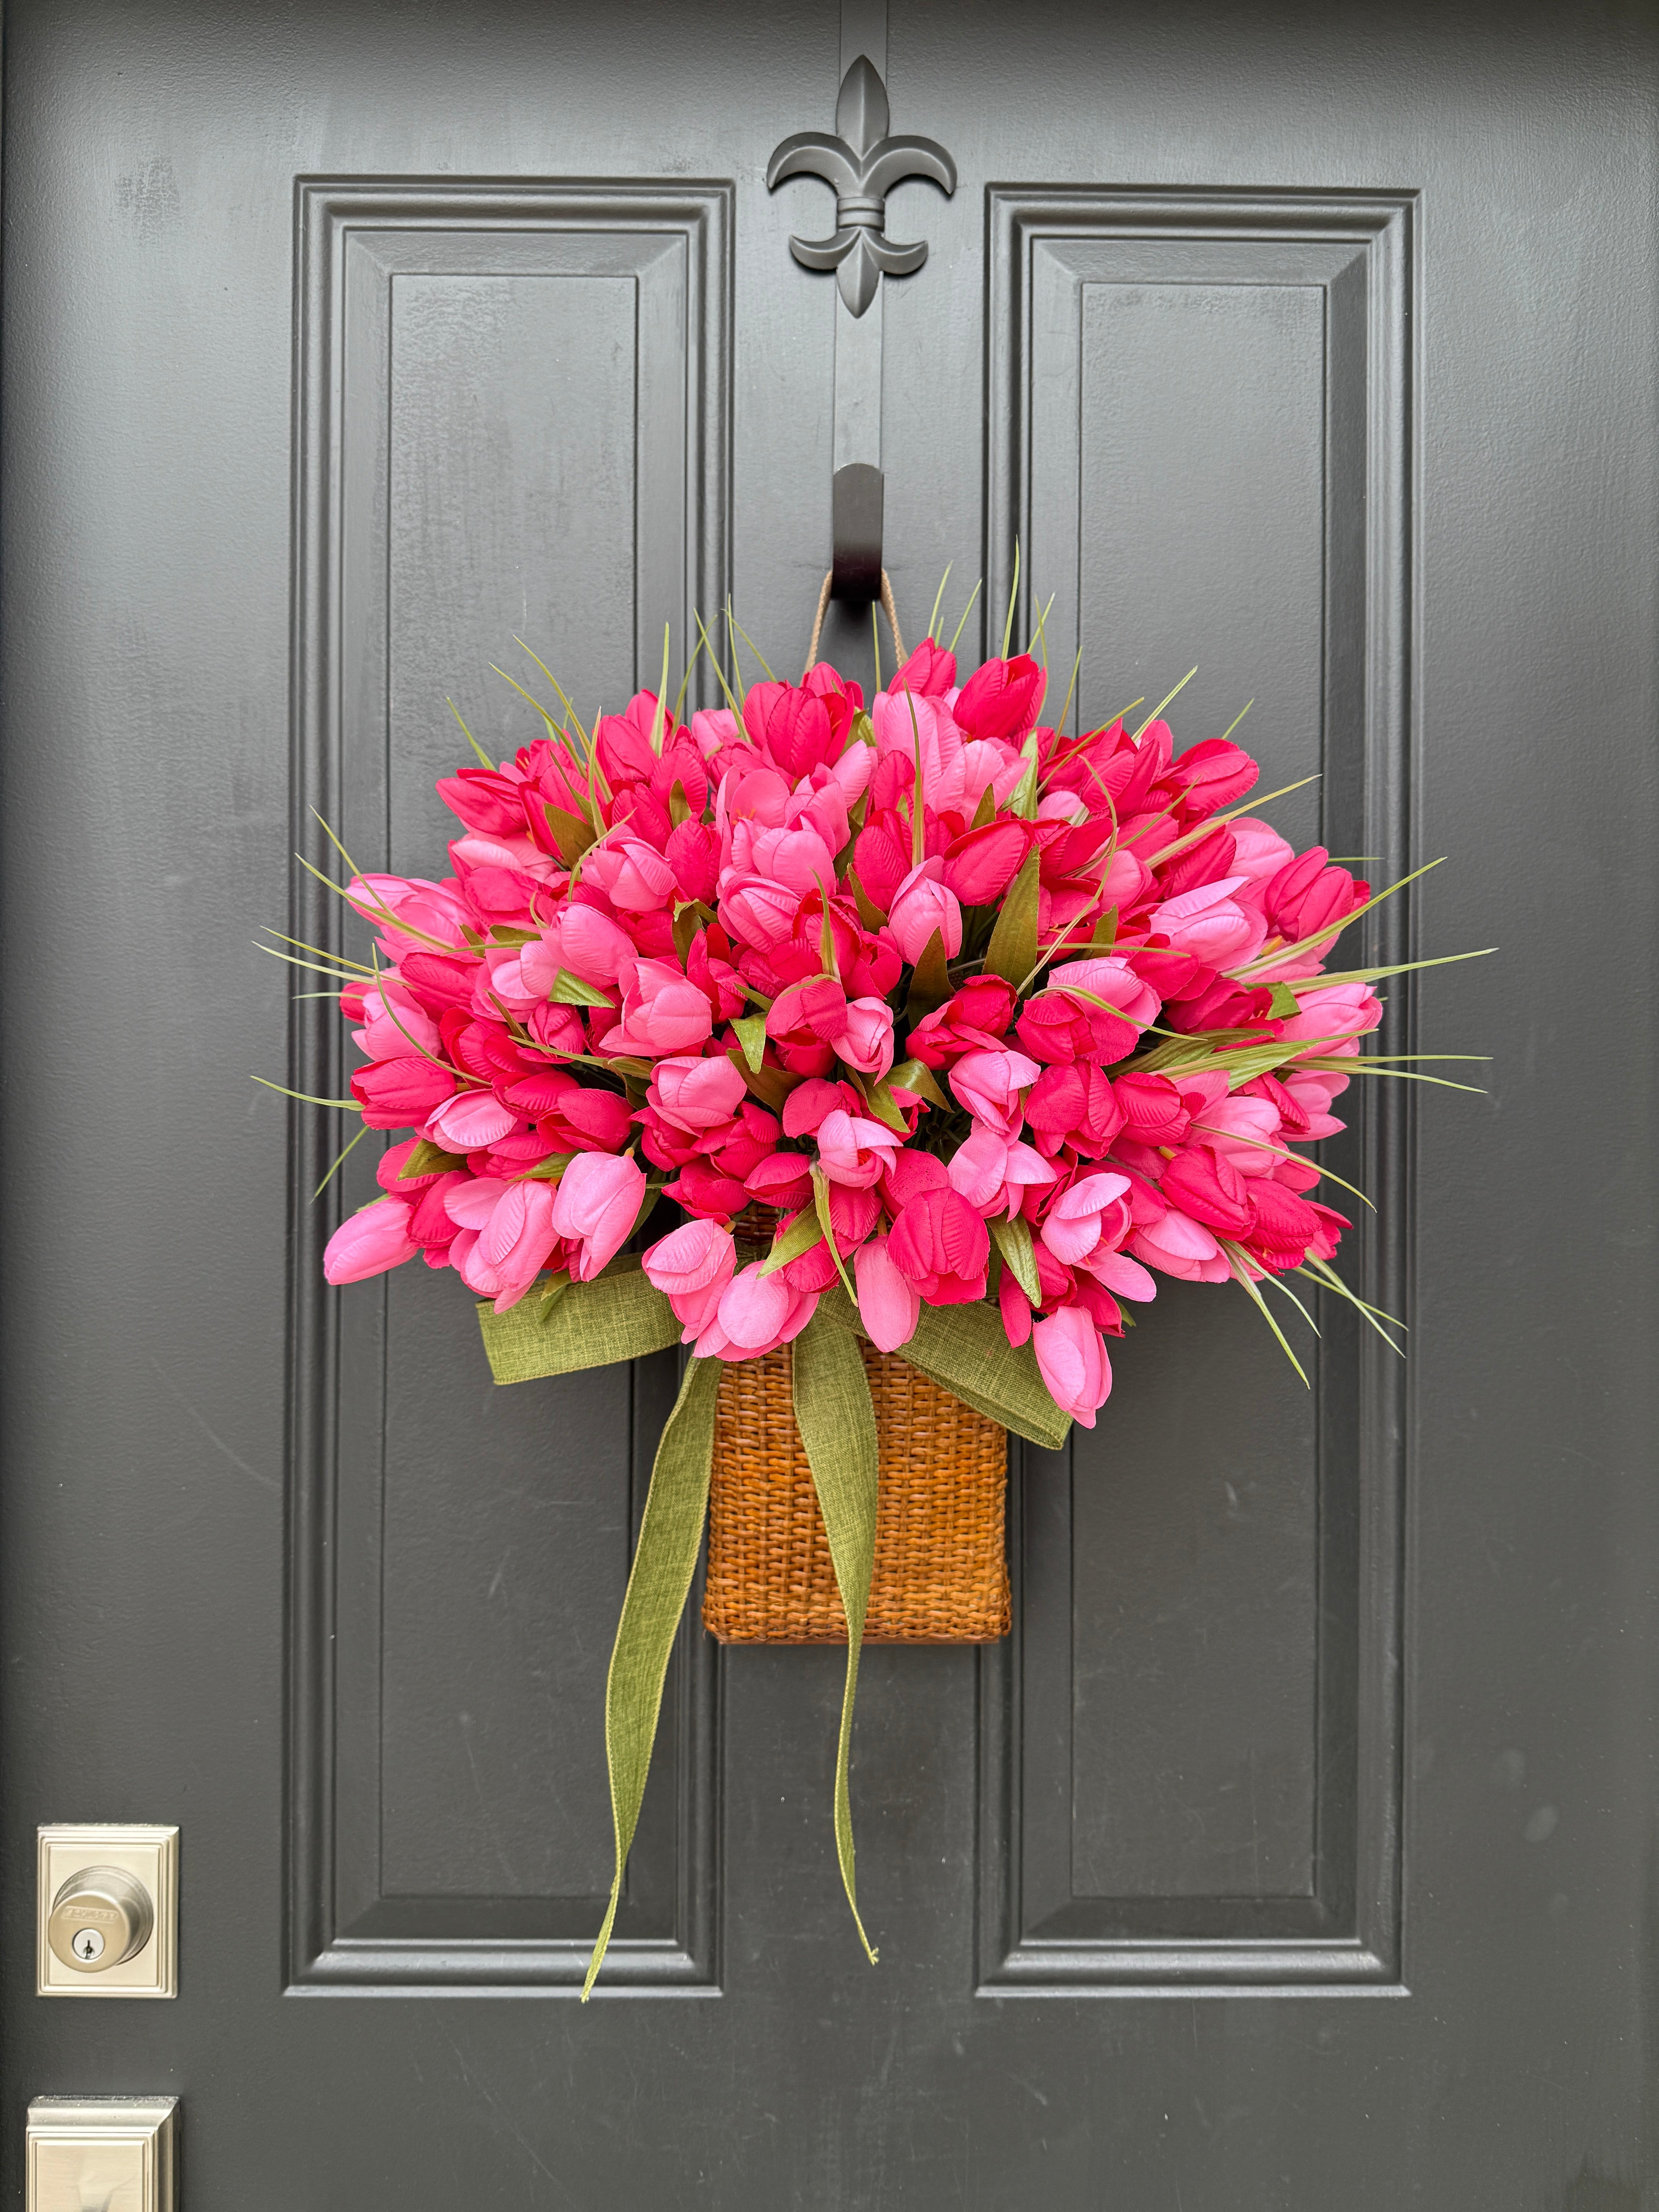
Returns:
point(855, 532)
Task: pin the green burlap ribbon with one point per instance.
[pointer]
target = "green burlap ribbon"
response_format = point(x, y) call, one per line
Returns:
point(621, 1316)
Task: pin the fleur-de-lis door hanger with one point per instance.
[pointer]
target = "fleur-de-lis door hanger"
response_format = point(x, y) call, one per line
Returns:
point(863, 163)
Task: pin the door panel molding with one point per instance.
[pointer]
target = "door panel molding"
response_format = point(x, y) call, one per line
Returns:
point(1287, 317)
point(473, 358)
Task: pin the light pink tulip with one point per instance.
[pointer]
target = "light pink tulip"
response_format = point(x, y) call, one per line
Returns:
point(866, 1043)
point(596, 1205)
point(632, 874)
point(697, 1094)
point(1259, 851)
point(1181, 1247)
point(394, 1023)
point(1124, 1276)
point(994, 1172)
point(469, 1121)
point(692, 1267)
point(662, 1012)
point(1110, 978)
point(988, 1085)
point(889, 1304)
point(1244, 1131)
point(757, 1314)
point(1071, 1353)
point(854, 1152)
point(1209, 923)
point(922, 905)
point(370, 1241)
point(1072, 1227)
point(507, 1235)
point(1338, 1011)
point(580, 940)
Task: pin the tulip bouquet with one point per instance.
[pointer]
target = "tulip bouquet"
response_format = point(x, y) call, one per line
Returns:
point(927, 1018)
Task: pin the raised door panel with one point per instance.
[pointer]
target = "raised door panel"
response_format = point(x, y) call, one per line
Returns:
point(1199, 442)
point(489, 377)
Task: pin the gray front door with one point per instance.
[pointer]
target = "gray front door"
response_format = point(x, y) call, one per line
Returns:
point(1295, 1851)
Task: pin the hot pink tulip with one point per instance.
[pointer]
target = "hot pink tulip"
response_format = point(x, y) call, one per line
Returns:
point(889, 1304)
point(988, 1085)
point(697, 1094)
point(922, 906)
point(662, 1012)
point(1071, 1353)
point(370, 1241)
point(596, 1205)
point(1072, 1227)
point(853, 1151)
point(400, 1094)
point(866, 1042)
point(941, 1245)
point(1001, 699)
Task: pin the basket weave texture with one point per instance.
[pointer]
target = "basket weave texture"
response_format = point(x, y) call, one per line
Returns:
point(941, 1573)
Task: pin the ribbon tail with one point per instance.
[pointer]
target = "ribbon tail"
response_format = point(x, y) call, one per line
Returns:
point(665, 1560)
point(837, 1423)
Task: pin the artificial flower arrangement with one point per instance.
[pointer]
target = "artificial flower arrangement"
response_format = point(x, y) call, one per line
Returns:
point(943, 1030)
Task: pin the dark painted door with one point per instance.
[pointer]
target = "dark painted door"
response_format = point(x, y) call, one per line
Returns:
point(1297, 1849)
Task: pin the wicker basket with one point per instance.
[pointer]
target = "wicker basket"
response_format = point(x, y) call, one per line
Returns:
point(941, 1573)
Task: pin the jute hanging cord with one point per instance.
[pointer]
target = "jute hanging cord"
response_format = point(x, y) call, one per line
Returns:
point(888, 608)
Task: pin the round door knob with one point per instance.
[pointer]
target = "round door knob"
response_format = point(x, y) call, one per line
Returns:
point(99, 1917)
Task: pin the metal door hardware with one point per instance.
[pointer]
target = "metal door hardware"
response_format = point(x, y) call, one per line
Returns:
point(102, 2154)
point(107, 1910)
point(863, 163)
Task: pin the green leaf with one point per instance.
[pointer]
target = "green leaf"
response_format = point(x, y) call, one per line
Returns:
point(1285, 1006)
point(869, 913)
point(428, 1158)
point(665, 1560)
point(1013, 1240)
point(679, 806)
point(986, 811)
point(750, 1030)
point(550, 1169)
point(503, 933)
point(803, 1233)
point(930, 980)
point(864, 730)
point(691, 918)
point(571, 834)
point(821, 1203)
point(837, 1424)
point(569, 990)
point(1013, 952)
point(771, 1086)
point(915, 1076)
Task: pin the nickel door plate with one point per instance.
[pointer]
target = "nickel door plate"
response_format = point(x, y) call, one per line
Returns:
point(102, 2154)
point(107, 1913)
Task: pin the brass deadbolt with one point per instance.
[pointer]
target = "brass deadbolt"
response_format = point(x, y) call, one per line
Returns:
point(100, 1917)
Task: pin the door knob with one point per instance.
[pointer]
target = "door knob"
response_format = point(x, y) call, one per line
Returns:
point(102, 2154)
point(100, 1917)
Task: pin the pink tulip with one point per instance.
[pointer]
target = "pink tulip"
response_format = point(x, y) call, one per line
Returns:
point(866, 1043)
point(854, 1151)
point(1072, 1227)
point(757, 911)
point(596, 1205)
point(1259, 851)
point(1071, 1353)
point(632, 874)
point(398, 1094)
point(994, 1172)
point(922, 906)
point(1338, 1011)
point(580, 940)
point(697, 1094)
point(505, 1235)
point(1177, 1245)
point(471, 1120)
point(662, 1012)
point(756, 1313)
point(941, 1245)
point(692, 1267)
point(888, 1305)
point(988, 1085)
point(370, 1241)
point(1209, 924)
point(1001, 699)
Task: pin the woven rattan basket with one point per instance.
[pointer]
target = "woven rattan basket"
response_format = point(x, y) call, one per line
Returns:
point(940, 1572)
